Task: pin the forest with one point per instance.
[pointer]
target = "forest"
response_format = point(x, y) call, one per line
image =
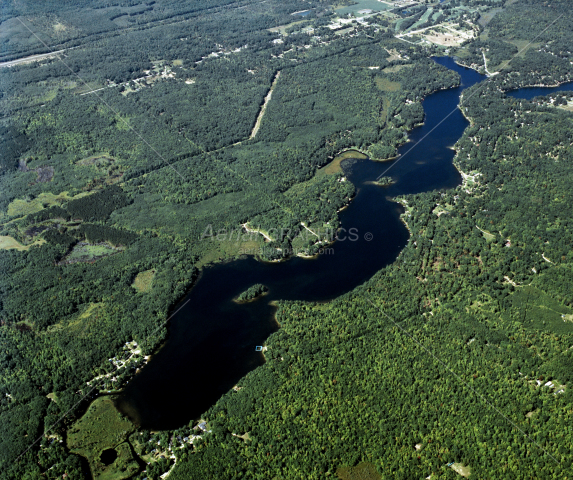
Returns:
point(339, 372)
point(107, 195)
point(252, 292)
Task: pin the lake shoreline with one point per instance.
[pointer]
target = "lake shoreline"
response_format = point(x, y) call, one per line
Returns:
point(196, 333)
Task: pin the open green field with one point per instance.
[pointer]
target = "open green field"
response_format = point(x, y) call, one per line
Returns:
point(144, 281)
point(335, 167)
point(104, 429)
point(537, 310)
point(9, 243)
point(362, 471)
point(282, 28)
point(387, 85)
point(21, 207)
point(84, 252)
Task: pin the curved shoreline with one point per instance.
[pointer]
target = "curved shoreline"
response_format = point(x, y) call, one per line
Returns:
point(491, 75)
point(267, 237)
point(291, 279)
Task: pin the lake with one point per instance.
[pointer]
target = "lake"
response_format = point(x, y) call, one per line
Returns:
point(531, 92)
point(212, 340)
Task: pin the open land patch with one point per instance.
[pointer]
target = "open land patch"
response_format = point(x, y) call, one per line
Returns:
point(395, 68)
point(335, 167)
point(144, 281)
point(85, 252)
point(22, 207)
point(103, 428)
point(539, 311)
point(387, 85)
point(362, 471)
point(9, 243)
point(445, 35)
point(461, 469)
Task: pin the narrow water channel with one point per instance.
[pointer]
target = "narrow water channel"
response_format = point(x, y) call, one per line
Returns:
point(212, 341)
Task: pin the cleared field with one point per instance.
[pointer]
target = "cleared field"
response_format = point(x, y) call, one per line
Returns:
point(85, 252)
point(22, 207)
point(362, 471)
point(387, 85)
point(9, 243)
point(461, 469)
point(334, 167)
point(568, 107)
point(344, 31)
point(537, 310)
point(524, 46)
point(487, 17)
point(100, 436)
point(442, 210)
point(282, 28)
point(395, 68)
point(447, 37)
point(144, 281)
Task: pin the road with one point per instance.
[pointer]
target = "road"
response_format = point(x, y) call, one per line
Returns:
point(33, 58)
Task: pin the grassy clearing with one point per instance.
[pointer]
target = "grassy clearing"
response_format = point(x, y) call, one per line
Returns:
point(489, 237)
point(221, 250)
point(246, 437)
point(461, 469)
point(103, 428)
point(442, 209)
point(568, 107)
point(396, 68)
point(85, 252)
point(22, 207)
point(446, 37)
point(486, 17)
point(101, 169)
point(144, 281)
point(87, 87)
point(387, 85)
point(282, 28)
point(524, 46)
point(92, 308)
point(9, 243)
point(101, 161)
point(334, 167)
point(362, 471)
point(344, 31)
point(537, 310)
point(79, 325)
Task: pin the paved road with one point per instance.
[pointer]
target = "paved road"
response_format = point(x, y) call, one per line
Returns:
point(33, 58)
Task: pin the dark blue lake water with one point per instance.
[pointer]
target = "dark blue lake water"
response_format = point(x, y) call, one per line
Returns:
point(212, 340)
point(531, 92)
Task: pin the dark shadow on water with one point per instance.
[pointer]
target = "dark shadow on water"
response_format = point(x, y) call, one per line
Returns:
point(108, 456)
point(532, 92)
